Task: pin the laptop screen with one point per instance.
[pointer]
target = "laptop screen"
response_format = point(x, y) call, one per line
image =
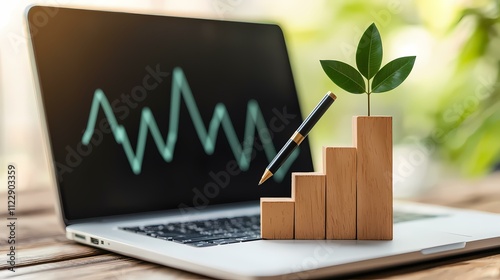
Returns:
point(147, 113)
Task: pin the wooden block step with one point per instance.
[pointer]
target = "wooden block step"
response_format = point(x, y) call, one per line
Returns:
point(308, 192)
point(339, 164)
point(277, 218)
point(373, 141)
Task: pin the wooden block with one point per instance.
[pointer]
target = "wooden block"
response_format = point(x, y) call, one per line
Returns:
point(373, 141)
point(277, 216)
point(339, 165)
point(308, 192)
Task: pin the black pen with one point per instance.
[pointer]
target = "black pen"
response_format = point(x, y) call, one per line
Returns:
point(298, 136)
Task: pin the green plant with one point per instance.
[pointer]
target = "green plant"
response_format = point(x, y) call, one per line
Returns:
point(368, 61)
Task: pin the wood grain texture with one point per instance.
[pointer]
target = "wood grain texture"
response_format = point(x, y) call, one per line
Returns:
point(373, 141)
point(339, 164)
point(308, 192)
point(277, 216)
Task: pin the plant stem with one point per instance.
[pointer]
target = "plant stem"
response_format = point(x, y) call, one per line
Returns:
point(368, 104)
point(368, 93)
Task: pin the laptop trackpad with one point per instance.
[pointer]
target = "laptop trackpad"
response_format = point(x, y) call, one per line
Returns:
point(443, 248)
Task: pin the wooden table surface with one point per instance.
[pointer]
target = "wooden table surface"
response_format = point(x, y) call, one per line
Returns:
point(43, 252)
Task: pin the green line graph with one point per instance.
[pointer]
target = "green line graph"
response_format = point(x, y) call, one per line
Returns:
point(208, 136)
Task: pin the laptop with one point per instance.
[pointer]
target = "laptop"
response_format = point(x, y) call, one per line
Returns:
point(158, 129)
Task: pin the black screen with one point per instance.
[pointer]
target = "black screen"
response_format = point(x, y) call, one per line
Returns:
point(148, 113)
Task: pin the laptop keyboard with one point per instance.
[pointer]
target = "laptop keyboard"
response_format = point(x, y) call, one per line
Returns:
point(205, 233)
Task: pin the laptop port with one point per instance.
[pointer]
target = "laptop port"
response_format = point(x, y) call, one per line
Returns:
point(94, 240)
point(79, 236)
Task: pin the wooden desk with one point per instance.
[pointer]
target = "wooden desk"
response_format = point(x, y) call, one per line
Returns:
point(43, 252)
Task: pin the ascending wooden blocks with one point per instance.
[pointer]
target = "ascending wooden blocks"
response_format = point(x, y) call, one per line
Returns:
point(340, 168)
point(308, 192)
point(277, 218)
point(373, 141)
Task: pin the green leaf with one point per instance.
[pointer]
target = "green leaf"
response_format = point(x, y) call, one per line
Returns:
point(393, 74)
point(344, 76)
point(369, 52)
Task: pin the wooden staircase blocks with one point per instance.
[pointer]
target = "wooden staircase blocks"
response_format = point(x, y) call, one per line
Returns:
point(351, 199)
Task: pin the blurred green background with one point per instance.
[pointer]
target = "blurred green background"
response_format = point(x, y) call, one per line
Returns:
point(446, 114)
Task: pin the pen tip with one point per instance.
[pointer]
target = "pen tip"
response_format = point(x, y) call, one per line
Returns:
point(267, 174)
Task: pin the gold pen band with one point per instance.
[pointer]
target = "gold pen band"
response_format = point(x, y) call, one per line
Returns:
point(332, 95)
point(297, 138)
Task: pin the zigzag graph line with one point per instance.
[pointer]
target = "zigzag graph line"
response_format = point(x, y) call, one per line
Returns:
point(208, 137)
